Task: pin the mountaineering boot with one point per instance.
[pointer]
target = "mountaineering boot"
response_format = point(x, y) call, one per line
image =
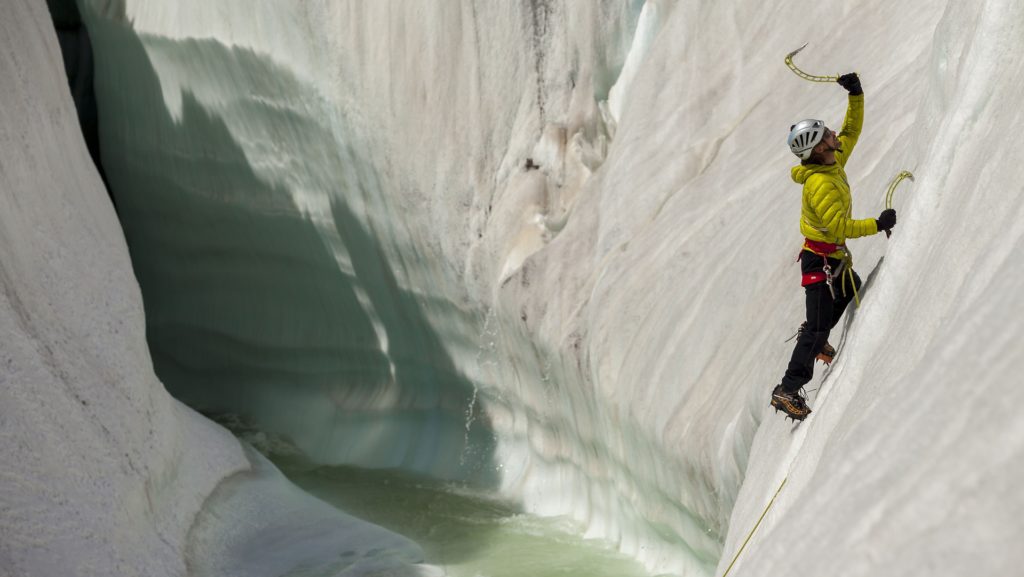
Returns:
point(828, 352)
point(793, 404)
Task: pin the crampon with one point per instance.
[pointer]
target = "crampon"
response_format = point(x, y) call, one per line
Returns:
point(828, 352)
point(793, 404)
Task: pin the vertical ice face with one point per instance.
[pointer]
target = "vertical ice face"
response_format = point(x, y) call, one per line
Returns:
point(647, 28)
point(104, 473)
point(911, 464)
point(99, 462)
point(245, 199)
point(306, 294)
point(320, 233)
point(363, 226)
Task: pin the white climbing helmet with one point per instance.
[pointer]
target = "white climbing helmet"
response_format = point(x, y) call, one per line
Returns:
point(804, 136)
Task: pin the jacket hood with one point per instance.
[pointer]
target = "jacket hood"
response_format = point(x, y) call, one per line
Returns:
point(802, 172)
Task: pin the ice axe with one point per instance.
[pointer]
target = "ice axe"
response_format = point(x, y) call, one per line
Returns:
point(801, 73)
point(892, 188)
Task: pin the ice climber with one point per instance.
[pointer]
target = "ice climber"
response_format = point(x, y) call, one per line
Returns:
point(826, 222)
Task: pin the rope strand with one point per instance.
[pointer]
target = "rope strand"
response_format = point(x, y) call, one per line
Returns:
point(756, 525)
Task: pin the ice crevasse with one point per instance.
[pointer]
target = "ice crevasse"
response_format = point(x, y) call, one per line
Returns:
point(543, 247)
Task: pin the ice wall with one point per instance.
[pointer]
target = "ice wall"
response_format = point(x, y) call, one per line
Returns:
point(92, 444)
point(101, 471)
point(443, 237)
point(312, 298)
point(909, 465)
point(352, 211)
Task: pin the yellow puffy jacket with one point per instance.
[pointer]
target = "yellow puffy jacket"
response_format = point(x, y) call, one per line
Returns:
point(826, 215)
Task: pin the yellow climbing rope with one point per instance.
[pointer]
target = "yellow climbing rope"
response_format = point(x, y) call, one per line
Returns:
point(801, 73)
point(848, 272)
point(756, 525)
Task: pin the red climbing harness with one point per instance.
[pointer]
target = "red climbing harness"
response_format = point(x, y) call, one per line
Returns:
point(822, 249)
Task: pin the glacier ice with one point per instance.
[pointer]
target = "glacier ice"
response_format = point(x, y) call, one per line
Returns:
point(103, 473)
point(340, 240)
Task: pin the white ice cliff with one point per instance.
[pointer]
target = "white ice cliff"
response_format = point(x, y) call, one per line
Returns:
point(545, 248)
point(101, 471)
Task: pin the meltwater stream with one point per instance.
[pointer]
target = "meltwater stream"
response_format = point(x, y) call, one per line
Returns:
point(465, 532)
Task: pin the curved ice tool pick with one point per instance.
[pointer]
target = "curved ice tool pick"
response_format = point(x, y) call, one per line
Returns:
point(801, 73)
point(892, 188)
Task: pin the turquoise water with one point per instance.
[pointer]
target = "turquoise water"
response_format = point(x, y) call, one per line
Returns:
point(468, 534)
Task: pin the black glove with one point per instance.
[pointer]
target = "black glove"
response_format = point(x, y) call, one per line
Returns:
point(886, 220)
point(851, 82)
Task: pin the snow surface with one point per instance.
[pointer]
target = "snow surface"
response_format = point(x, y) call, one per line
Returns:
point(338, 238)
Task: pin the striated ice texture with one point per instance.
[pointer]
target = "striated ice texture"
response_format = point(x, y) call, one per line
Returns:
point(546, 248)
point(102, 472)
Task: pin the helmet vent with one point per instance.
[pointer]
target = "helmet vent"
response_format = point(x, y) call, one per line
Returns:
point(805, 135)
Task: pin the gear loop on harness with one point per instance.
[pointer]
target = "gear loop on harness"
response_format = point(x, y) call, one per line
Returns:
point(842, 272)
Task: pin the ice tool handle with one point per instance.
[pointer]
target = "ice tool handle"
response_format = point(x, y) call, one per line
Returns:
point(892, 188)
point(801, 73)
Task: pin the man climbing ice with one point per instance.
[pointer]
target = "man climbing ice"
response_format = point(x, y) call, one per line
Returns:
point(826, 222)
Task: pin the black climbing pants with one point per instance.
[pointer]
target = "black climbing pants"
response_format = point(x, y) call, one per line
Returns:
point(823, 314)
